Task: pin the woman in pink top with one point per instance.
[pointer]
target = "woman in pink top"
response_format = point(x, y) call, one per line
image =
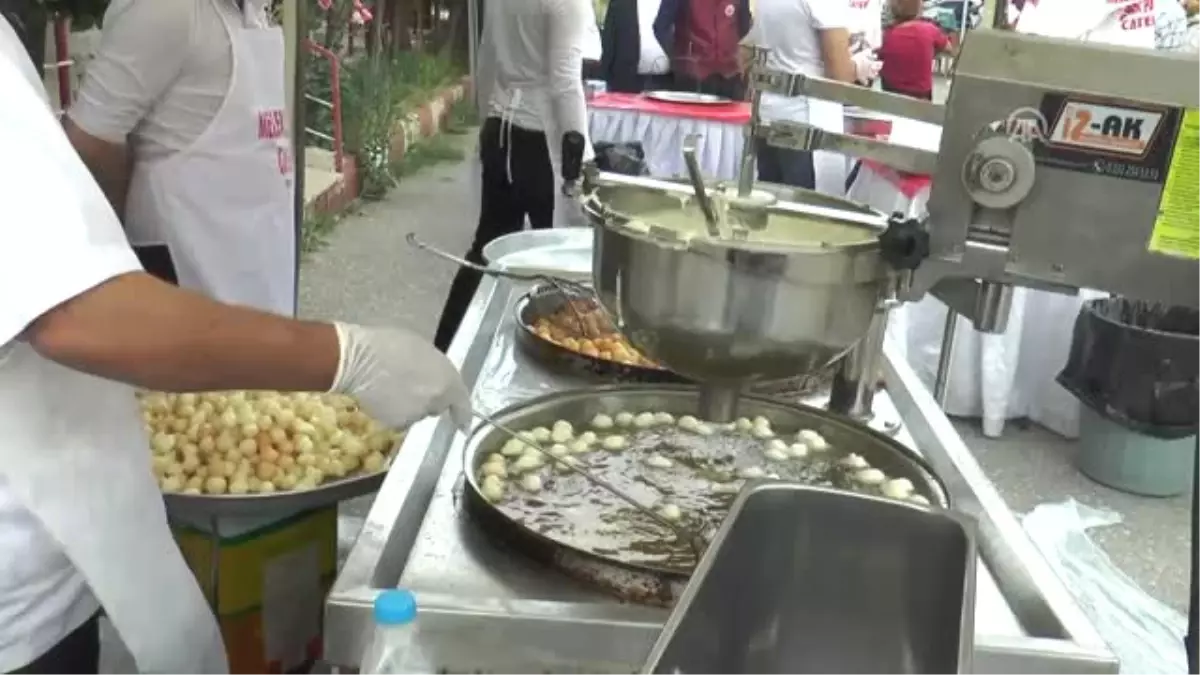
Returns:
point(907, 52)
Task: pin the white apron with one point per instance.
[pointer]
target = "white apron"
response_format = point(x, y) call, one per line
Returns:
point(93, 491)
point(224, 206)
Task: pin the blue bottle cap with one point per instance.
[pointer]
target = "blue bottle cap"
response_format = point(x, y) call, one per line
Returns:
point(395, 607)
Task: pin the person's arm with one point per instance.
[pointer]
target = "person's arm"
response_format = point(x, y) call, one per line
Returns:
point(835, 54)
point(74, 291)
point(565, 30)
point(664, 24)
point(941, 43)
point(137, 329)
point(831, 19)
point(142, 49)
point(485, 64)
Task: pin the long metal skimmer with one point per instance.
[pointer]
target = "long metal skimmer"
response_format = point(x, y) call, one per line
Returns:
point(697, 542)
point(570, 290)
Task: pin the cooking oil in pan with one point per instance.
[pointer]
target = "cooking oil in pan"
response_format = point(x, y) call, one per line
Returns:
point(687, 469)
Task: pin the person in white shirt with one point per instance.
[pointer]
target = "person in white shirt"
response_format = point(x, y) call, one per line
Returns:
point(634, 61)
point(181, 116)
point(82, 520)
point(530, 91)
point(809, 37)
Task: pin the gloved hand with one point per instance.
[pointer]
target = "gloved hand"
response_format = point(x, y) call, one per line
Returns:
point(399, 377)
point(866, 67)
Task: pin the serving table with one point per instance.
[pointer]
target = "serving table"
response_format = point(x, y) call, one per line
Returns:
point(486, 608)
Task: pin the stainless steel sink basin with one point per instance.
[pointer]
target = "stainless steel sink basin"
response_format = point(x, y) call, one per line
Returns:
point(809, 580)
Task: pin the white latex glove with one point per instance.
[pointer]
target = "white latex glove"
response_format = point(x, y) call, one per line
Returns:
point(399, 377)
point(866, 67)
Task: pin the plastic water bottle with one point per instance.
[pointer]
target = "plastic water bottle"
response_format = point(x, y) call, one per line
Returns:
point(394, 648)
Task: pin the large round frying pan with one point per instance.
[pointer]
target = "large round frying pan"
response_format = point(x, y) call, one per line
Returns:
point(584, 531)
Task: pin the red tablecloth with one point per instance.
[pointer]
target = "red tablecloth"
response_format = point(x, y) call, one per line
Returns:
point(737, 113)
point(909, 184)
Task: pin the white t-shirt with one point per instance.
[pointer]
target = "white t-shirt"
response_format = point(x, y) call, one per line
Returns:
point(60, 239)
point(791, 30)
point(160, 74)
point(866, 24)
point(652, 60)
point(530, 62)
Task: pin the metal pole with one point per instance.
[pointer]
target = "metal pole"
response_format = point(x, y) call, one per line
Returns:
point(296, 19)
point(1192, 638)
point(945, 358)
point(853, 391)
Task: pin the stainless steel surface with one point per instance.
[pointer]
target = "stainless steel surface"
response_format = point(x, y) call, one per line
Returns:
point(857, 376)
point(688, 97)
point(208, 506)
point(697, 178)
point(797, 84)
point(719, 403)
point(798, 136)
point(992, 305)
point(489, 611)
point(562, 251)
point(1008, 205)
point(941, 380)
point(692, 538)
point(749, 163)
point(852, 584)
point(730, 312)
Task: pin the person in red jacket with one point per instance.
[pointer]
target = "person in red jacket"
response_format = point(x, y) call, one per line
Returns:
point(908, 49)
point(701, 37)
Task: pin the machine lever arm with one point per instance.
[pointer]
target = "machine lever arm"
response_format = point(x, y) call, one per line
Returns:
point(794, 136)
point(796, 84)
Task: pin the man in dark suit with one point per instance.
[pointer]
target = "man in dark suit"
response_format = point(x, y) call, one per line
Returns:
point(633, 60)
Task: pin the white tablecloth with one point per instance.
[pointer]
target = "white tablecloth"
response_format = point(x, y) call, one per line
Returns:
point(719, 147)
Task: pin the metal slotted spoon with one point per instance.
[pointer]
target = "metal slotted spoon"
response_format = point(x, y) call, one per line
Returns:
point(568, 289)
point(695, 540)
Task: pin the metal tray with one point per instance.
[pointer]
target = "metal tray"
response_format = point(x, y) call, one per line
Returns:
point(643, 582)
point(560, 251)
point(687, 97)
point(544, 300)
point(215, 506)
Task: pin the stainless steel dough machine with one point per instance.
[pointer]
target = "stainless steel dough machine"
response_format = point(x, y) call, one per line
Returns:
point(1062, 165)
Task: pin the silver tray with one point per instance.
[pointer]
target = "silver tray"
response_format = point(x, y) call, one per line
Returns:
point(215, 506)
point(561, 251)
point(687, 97)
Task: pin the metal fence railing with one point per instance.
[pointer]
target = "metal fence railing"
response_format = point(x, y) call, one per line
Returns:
point(334, 105)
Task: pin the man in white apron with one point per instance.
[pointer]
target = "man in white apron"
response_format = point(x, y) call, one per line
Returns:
point(82, 521)
point(198, 89)
point(530, 92)
point(809, 37)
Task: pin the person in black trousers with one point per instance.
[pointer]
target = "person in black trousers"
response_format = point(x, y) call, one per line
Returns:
point(518, 181)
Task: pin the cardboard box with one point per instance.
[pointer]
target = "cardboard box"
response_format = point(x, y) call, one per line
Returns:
point(267, 580)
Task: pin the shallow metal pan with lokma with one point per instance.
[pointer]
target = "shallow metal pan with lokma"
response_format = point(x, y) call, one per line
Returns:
point(545, 301)
point(592, 535)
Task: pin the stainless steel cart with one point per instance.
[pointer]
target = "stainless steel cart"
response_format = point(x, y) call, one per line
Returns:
point(488, 609)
